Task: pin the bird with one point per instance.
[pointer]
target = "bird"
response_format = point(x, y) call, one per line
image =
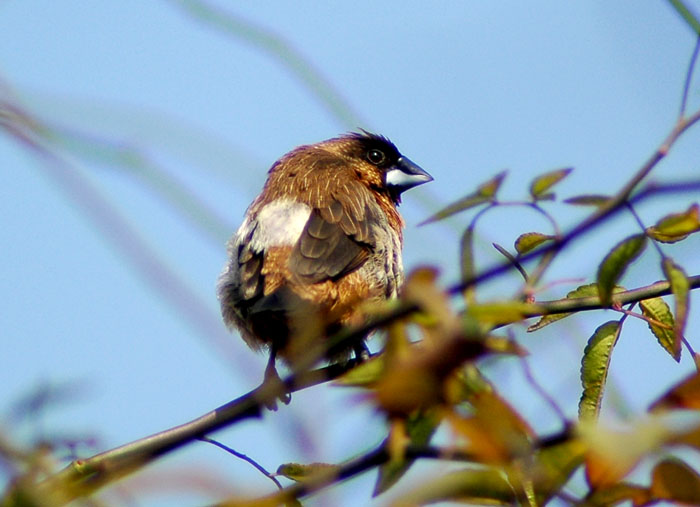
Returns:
point(321, 241)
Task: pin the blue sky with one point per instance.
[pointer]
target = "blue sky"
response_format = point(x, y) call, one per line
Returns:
point(465, 89)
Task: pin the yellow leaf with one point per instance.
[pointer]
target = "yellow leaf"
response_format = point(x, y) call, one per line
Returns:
point(363, 374)
point(496, 433)
point(544, 182)
point(676, 226)
point(501, 312)
point(684, 395)
point(613, 454)
point(530, 241)
point(675, 480)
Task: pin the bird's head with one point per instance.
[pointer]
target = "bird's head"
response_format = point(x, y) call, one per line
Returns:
point(379, 164)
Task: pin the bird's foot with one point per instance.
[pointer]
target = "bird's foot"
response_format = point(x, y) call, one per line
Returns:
point(274, 388)
point(361, 352)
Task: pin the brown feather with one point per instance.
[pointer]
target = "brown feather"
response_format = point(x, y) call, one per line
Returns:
point(348, 250)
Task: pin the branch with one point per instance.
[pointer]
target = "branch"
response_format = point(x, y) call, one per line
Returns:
point(85, 476)
point(657, 289)
point(605, 212)
point(380, 456)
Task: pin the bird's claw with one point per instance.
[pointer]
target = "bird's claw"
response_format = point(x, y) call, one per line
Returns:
point(274, 388)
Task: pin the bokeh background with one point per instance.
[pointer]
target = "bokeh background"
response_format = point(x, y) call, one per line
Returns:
point(156, 123)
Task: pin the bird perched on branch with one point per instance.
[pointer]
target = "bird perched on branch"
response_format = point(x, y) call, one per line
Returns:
point(323, 238)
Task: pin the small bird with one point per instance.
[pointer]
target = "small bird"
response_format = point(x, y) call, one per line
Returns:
point(322, 239)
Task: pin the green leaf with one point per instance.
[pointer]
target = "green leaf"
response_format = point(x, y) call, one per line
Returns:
point(615, 263)
point(588, 200)
point(483, 194)
point(680, 287)
point(420, 428)
point(530, 241)
point(541, 184)
point(301, 473)
point(657, 309)
point(516, 264)
point(594, 368)
point(676, 226)
point(466, 256)
point(687, 15)
point(584, 291)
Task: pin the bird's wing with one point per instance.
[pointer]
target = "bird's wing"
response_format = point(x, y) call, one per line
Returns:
point(337, 238)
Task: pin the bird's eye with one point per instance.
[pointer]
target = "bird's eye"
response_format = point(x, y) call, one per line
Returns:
point(375, 156)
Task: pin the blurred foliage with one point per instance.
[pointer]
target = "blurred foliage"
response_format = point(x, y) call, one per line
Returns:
point(428, 377)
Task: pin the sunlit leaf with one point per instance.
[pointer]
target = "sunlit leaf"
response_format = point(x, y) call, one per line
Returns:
point(616, 262)
point(612, 454)
point(584, 291)
point(680, 287)
point(549, 469)
point(300, 472)
point(481, 486)
point(363, 374)
point(615, 494)
point(588, 200)
point(690, 437)
point(553, 466)
point(684, 395)
point(466, 257)
point(420, 428)
point(484, 193)
point(674, 480)
point(501, 345)
point(495, 431)
point(677, 226)
point(468, 383)
point(501, 312)
point(490, 188)
point(594, 368)
point(541, 184)
point(418, 381)
point(421, 288)
point(658, 310)
point(530, 241)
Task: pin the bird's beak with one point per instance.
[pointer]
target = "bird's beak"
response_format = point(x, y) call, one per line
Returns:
point(405, 174)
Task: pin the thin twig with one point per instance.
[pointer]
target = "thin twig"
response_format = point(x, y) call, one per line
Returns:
point(245, 458)
point(689, 77)
point(527, 371)
point(85, 476)
point(639, 221)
